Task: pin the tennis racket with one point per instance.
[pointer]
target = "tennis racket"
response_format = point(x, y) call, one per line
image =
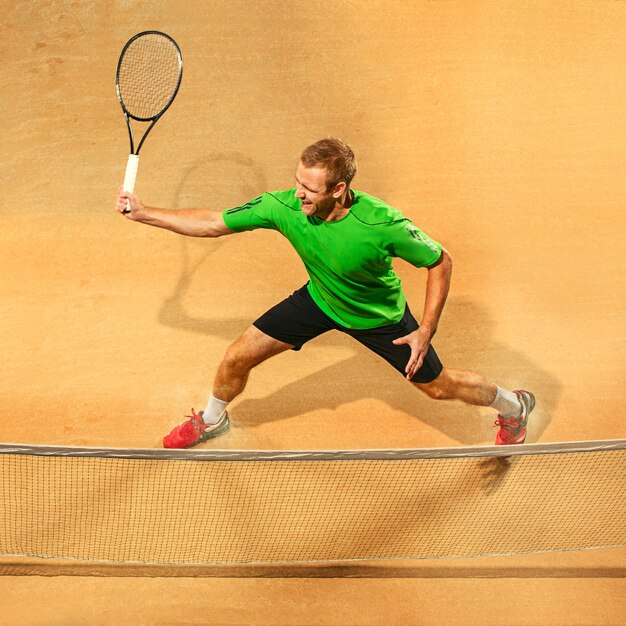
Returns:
point(148, 76)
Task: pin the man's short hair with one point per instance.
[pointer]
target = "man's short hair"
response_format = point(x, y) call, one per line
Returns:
point(335, 157)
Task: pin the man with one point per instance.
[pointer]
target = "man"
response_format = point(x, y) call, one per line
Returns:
point(347, 240)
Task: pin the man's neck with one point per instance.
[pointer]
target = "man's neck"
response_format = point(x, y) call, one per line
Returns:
point(342, 207)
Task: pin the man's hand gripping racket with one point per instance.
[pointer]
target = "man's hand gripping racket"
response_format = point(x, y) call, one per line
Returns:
point(148, 76)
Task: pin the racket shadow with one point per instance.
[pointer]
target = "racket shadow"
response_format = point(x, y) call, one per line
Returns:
point(203, 184)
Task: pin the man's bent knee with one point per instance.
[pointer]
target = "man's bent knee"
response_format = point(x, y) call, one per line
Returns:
point(438, 389)
point(251, 348)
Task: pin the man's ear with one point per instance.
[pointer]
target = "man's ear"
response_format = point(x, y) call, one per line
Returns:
point(339, 189)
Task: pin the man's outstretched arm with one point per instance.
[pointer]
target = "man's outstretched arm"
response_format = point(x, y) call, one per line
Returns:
point(190, 222)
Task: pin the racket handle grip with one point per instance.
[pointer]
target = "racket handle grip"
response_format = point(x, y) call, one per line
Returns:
point(131, 176)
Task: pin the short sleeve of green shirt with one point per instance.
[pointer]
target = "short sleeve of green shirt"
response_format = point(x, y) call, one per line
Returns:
point(409, 243)
point(258, 213)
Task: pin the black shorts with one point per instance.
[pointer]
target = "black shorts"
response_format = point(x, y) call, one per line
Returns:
point(297, 319)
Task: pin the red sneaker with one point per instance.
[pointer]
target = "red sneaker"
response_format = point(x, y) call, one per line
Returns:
point(195, 431)
point(513, 429)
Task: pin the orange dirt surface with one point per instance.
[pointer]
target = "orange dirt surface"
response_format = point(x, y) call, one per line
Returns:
point(498, 128)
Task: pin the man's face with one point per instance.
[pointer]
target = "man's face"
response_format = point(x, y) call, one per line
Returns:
point(311, 190)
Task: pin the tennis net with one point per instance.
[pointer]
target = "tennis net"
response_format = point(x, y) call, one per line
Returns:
point(259, 507)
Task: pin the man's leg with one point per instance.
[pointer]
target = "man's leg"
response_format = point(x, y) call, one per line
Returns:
point(252, 348)
point(471, 388)
point(286, 326)
point(441, 383)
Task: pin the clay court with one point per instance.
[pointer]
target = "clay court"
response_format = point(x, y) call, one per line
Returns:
point(498, 128)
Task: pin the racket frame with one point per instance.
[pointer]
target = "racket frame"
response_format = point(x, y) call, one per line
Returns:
point(153, 119)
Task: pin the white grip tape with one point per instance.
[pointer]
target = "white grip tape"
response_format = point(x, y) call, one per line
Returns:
point(131, 172)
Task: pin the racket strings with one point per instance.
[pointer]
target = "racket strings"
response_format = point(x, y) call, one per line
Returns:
point(149, 75)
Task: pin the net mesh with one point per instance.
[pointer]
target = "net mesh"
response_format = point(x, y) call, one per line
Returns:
point(177, 511)
point(148, 75)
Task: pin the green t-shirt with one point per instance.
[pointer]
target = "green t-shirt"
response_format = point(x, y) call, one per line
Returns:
point(349, 261)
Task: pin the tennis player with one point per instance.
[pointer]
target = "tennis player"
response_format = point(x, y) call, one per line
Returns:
point(347, 240)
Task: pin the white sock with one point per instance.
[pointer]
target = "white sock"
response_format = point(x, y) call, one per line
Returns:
point(507, 403)
point(214, 410)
